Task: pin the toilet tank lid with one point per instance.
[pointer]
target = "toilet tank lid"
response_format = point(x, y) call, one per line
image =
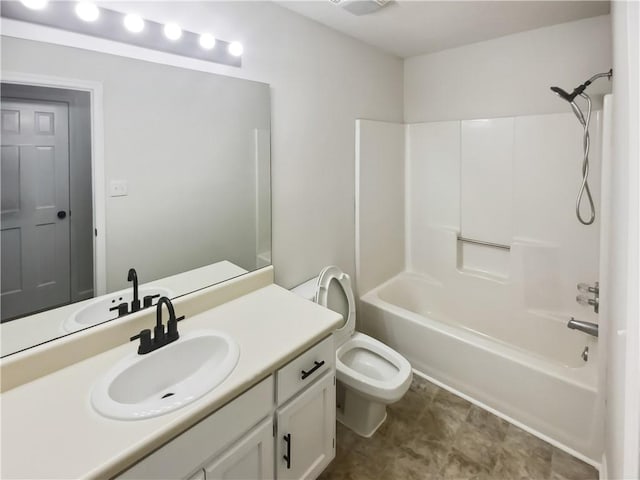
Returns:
point(307, 289)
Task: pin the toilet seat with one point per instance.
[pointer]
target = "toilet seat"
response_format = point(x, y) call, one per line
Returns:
point(389, 389)
point(327, 275)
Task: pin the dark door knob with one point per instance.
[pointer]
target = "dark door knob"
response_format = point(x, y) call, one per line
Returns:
point(62, 214)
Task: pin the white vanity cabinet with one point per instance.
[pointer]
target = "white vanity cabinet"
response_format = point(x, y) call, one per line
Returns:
point(306, 431)
point(306, 413)
point(245, 439)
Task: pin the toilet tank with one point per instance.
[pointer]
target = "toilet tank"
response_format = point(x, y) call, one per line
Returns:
point(307, 289)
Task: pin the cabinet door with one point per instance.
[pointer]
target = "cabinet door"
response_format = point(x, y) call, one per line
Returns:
point(250, 458)
point(306, 431)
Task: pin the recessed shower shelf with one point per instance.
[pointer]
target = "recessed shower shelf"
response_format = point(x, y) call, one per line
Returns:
point(487, 260)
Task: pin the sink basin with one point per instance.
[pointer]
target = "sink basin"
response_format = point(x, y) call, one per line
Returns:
point(144, 386)
point(97, 311)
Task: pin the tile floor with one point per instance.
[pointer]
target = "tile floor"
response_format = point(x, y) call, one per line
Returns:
point(433, 434)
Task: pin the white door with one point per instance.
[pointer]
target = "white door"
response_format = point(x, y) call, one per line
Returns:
point(305, 442)
point(250, 458)
point(35, 206)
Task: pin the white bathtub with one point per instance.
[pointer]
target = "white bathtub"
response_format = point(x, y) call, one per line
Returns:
point(526, 366)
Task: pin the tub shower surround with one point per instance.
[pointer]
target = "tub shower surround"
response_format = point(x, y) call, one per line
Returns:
point(557, 400)
point(486, 320)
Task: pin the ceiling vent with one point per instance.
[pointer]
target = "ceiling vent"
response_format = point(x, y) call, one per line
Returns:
point(362, 7)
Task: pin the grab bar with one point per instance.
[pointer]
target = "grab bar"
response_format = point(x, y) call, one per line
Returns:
point(482, 242)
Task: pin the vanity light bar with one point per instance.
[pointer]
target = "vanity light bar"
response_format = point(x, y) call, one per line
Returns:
point(109, 25)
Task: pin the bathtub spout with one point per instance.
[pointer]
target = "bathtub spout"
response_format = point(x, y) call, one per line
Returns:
point(586, 327)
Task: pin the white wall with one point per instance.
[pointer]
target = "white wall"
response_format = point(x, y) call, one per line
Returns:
point(508, 76)
point(380, 202)
point(620, 297)
point(321, 82)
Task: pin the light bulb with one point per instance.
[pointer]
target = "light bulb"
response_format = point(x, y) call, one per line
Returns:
point(207, 41)
point(235, 49)
point(87, 11)
point(172, 31)
point(35, 4)
point(134, 23)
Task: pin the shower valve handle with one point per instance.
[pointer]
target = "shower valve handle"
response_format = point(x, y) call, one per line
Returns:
point(592, 302)
point(586, 288)
point(582, 300)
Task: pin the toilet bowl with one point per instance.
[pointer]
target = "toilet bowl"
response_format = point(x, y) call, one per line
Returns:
point(370, 374)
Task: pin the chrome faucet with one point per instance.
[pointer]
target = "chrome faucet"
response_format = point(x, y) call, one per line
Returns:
point(586, 327)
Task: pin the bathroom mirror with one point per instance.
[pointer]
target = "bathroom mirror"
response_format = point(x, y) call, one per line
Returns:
point(111, 163)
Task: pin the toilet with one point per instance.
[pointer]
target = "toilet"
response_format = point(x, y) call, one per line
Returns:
point(370, 374)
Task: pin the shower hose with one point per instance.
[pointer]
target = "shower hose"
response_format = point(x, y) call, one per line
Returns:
point(584, 186)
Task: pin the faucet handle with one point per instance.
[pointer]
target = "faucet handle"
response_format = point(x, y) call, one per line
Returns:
point(145, 341)
point(135, 306)
point(143, 333)
point(122, 309)
point(589, 302)
point(172, 328)
point(148, 300)
point(586, 288)
point(583, 300)
point(158, 333)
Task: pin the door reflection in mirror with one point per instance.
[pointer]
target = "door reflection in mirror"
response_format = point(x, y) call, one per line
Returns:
point(47, 254)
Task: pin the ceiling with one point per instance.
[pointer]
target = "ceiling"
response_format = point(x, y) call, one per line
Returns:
point(409, 27)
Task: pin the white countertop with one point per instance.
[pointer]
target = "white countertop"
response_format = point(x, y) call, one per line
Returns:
point(50, 430)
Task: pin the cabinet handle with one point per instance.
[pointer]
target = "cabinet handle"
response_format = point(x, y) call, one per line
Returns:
point(287, 457)
point(316, 366)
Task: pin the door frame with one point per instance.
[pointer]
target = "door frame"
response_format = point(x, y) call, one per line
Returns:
point(94, 89)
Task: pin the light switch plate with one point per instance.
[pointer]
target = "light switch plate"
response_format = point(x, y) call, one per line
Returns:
point(118, 188)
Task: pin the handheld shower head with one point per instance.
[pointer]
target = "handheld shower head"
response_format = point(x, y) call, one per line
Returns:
point(562, 94)
point(570, 97)
point(584, 121)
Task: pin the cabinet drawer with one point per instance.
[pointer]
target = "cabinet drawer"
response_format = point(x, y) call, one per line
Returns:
point(306, 368)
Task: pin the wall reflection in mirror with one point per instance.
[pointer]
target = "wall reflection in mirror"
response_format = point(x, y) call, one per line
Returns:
point(169, 175)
